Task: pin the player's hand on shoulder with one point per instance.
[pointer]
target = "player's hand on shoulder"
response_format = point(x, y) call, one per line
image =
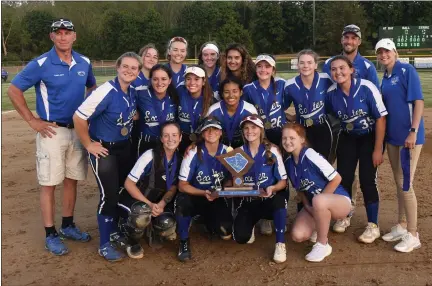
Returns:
point(44, 128)
point(97, 150)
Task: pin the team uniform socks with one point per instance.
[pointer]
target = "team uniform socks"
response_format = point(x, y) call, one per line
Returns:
point(106, 225)
point(279, 218)
point(183, 226)
point(372, 212)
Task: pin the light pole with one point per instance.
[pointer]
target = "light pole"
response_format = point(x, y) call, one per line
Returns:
point(313, 23)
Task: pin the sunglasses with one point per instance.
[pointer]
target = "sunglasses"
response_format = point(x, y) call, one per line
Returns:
point(62, 24)
point(177, 39)
point(353, 30)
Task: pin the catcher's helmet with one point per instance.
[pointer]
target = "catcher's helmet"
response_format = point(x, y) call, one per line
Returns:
point(139, 216)
point(165, 225)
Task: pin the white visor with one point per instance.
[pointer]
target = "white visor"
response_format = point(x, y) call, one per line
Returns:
point(199, 72)
point(253, 119)
point(266, 58)
point(211, 47)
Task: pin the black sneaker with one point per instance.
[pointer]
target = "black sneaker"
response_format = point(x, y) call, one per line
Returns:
point(184, 251)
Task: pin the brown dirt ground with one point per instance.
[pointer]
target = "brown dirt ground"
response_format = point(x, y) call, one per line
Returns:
point(25, 261)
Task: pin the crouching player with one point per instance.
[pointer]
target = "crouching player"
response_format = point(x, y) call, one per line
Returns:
point(318, 185)
point(156, 172)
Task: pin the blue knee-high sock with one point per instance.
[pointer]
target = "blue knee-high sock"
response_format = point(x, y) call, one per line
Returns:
point(372, 212)
point(106, 226)
point(183, 226)
point(279, 219)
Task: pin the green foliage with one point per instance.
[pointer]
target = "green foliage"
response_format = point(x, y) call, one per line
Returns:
point(37, 25)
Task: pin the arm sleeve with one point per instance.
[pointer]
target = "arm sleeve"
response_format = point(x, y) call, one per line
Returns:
point(414, 89)
point(142, 166)
point(375, 101)
point(28, 77)
point(96, 102)
point(321, 164)
point(188, 166)
point(279, 170)
point(91, 80)
point(373, 75)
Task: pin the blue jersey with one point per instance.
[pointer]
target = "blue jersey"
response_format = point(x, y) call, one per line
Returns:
point(358, 111)
point(177, 78)
point(227, 121)
point(154, 112)
point(141, 82)
point(201, 173)
point(189, 110)
point(214, 80)
point(312, 173)
point(308, 103)
point(60, 88)
point(110, 112)
point(364, 69)
point(268, 175)
point(269, 105)
point(400, 89)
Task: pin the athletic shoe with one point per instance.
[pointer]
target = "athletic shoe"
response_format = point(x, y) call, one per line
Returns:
point(319, 252)
point(184, 251)
point(252, 238)
point(280, 253)
point(110, 253)
point(371, 233)
point(54, 245)
point(129, 246)
point(266, 227)
point(408, 243)
point(396, 233)
point(313, 237)
point(74, 233)
point(342, 224)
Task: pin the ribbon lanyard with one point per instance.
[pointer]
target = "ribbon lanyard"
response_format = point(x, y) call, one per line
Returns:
point(258, 161)
point(192, 105)
point(350, 99)
point(207, 160)
point(161, 114)
point(264, 99)
point(170, 174)
point(127, 99)
point(309, 95)
point(231, 125)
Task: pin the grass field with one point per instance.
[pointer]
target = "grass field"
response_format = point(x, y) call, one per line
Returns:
point(425, 77)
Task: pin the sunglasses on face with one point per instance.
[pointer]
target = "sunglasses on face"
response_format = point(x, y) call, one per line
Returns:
point(62, 24)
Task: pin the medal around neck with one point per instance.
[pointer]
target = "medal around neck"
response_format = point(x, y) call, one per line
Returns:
point(124, 131)
point(238, 163)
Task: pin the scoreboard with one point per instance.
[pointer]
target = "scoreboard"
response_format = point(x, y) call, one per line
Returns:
point(408, 37)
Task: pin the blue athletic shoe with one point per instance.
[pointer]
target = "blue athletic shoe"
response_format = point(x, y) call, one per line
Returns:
point(54, 245)
point(74, 233)
point(110, 253)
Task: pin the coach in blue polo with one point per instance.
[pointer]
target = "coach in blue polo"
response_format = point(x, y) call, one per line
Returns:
point(60, 78)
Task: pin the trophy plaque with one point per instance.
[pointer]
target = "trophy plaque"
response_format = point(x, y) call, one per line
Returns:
point(238, 164)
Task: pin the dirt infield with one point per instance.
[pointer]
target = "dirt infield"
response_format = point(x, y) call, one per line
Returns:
point(24, 260)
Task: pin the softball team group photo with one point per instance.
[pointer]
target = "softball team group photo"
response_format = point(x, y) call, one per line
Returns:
point(152, 134)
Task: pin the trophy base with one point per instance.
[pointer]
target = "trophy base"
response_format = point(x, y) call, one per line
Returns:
point(241, 192)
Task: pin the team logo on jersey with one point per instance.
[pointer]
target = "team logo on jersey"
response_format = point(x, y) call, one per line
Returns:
point(262, 178)
point(206, 180)
point(394, 80)
point(81, 73)
point(122, 122)
point(305, 184)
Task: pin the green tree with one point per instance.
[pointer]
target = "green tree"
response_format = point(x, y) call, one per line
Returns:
point(232, 32)
point(37, 25)
point(298, 25)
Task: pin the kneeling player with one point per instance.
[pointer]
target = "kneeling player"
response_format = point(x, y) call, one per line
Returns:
point(156, 171)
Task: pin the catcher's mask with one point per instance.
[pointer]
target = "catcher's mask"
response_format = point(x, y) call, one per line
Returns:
point(140, 215)
point(165, 224)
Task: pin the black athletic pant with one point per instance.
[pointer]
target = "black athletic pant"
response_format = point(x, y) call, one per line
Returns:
point(320, 138)
point(111, 172)
point(252, 210)
point(216, 214)
point(352, 149)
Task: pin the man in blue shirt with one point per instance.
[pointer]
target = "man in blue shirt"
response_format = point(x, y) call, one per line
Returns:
point(59, 77)
point(364, 68)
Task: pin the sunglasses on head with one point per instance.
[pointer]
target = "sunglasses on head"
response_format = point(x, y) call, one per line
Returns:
point(354, 30)
point(62, 24)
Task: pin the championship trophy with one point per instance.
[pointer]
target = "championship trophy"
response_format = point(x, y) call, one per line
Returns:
point(238, 164)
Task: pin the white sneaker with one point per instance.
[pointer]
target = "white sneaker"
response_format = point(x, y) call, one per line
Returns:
point(266, 227)
point(319, 252)
point(371, 233)
point(252, 238)
point(280, 253)
point(313, 237)
point(342, 224)
point(396, 233)
point(408, 243)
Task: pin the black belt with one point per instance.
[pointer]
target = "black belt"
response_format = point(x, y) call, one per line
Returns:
point(68, 126)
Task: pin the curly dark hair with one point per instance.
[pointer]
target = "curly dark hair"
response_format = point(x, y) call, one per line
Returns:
point(247, 69)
